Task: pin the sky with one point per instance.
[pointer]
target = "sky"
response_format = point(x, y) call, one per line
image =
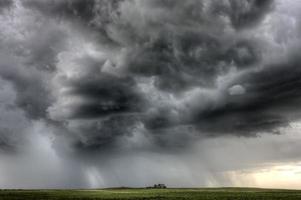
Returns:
point(110, 93)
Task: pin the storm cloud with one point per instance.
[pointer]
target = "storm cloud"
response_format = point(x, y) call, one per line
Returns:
point(148, 76)
point(158, 74)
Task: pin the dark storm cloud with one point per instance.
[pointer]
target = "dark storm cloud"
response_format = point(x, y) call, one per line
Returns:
point(4, 4)
point(42, 53)
point(26, 62)
point(187, 43)
point(180, 48)
point(102, 95)
point(82, 9)
point(31, 89)
point(248, 13)
point(28, 59)
point(94, 91)
point(161, 74)
point(103, 133)
point(271, 100)
point(13, 122)
point(6, 144)
point(241, 13)
point(90, 13)
point(191, 58)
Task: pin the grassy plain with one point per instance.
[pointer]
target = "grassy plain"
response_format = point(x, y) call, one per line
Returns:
point(153, 194)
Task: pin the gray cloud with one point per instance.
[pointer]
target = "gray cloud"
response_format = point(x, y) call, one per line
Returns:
point(176, 48)
point(247, 13)
point(81, 9)
point(31, 89)
point(5, 4)
point(271, 101)
point(124, 76)
point(101, 95)
point(12, 135)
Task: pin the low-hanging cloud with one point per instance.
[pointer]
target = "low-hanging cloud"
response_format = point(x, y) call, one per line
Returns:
point(145, 69)
point(111, 75)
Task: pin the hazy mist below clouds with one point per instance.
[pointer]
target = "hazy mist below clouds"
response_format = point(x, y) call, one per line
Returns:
point(100, 93)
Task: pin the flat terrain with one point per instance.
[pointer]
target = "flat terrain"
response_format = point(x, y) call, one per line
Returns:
point(153, 194)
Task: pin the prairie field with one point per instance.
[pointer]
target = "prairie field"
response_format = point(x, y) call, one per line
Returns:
point(153, 194)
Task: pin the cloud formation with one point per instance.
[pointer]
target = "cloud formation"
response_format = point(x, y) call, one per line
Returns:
point(158, 74)
point(147, 75)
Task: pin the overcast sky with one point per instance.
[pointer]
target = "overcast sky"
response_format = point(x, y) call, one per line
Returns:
point(108, 93)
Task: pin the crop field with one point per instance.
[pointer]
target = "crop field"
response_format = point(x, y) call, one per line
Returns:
point(153, 194)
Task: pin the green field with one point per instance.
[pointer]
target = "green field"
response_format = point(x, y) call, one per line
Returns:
point(148, 194)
